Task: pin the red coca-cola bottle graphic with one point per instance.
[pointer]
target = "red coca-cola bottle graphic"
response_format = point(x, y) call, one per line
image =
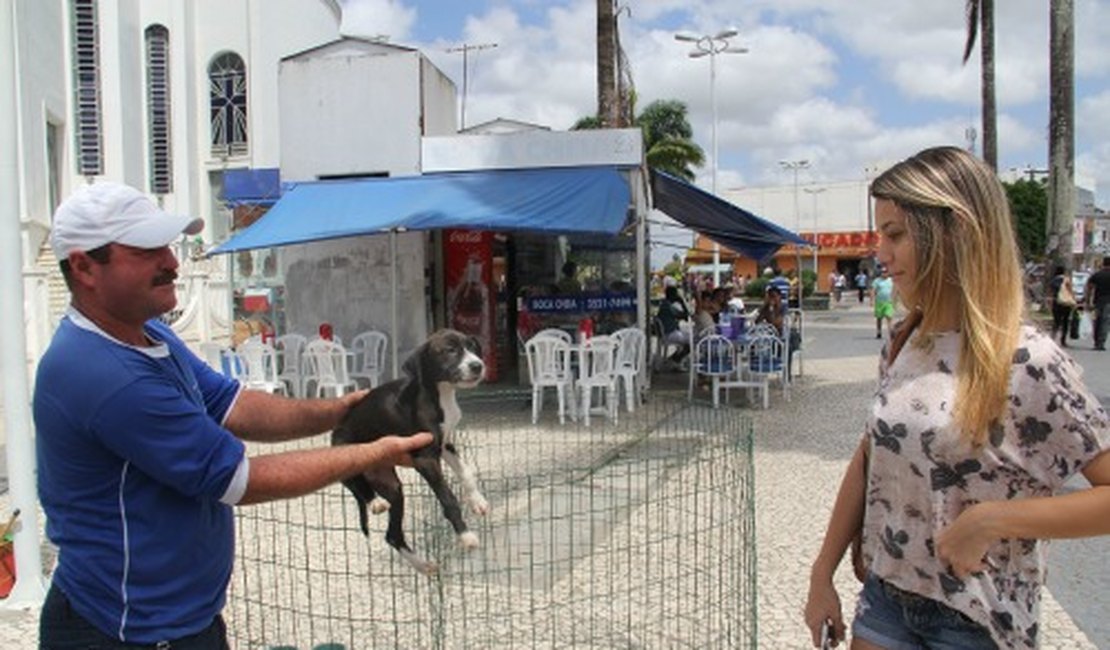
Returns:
point(470, 304)
point(585, 329)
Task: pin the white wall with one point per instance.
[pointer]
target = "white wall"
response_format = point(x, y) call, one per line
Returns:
point(350, 113)
point(43, 93)
point(345, 282)
point(841, 207)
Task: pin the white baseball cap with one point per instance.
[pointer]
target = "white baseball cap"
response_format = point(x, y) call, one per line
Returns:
point(106, 212)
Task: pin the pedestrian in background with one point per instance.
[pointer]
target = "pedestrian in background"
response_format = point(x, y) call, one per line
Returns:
point(1062, 303)
point(977, 423)
point(140, 445)
point(1097, 299)
point(882, 298)
point(862, 281)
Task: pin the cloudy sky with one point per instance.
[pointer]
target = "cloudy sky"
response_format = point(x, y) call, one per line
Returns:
point(845, 84)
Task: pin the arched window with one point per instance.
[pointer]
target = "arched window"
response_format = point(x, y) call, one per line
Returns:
point(86, 88)
point(227, 91)
point(158, 109)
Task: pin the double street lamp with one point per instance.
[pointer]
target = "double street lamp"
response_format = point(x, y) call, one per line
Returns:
point(711, 46)
point(794, 166)
point(813, 192)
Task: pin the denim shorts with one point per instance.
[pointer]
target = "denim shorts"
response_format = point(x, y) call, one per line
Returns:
point(899, 620)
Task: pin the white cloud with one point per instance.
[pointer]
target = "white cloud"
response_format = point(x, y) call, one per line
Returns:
point(845, 83)
point(373, 18)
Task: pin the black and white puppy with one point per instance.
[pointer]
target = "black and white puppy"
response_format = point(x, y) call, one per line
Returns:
point(423, 400)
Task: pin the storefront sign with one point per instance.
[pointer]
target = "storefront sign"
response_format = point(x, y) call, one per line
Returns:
point(844, 243)
point(583, 302)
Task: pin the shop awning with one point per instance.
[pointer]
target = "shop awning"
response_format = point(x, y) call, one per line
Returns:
point(555, 200)
point(252, 186)
point(721, 221)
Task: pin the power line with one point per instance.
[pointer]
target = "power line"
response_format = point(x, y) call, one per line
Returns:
point(466, 48)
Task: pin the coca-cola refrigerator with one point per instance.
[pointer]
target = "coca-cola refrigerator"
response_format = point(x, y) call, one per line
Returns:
point(468, 278)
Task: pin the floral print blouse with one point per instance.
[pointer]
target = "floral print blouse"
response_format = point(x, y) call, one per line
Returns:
point(921, 475)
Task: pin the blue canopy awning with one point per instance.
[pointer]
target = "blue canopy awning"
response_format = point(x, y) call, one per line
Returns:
point(252, 186)
point(558, 200)
point(721, 221)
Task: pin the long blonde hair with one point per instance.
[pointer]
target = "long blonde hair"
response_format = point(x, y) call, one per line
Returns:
point(959, 217)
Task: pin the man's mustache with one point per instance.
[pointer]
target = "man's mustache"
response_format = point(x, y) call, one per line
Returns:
point(168, 277)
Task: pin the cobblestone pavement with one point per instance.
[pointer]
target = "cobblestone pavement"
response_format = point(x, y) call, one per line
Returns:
point(802, 448)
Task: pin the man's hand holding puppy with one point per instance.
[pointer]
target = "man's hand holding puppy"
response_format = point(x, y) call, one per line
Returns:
point(296, 473)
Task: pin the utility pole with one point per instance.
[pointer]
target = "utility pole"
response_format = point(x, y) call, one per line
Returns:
point(466, 48)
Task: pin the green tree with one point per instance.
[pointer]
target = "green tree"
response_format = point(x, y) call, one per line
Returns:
point(1029, 205)
point(668, 137)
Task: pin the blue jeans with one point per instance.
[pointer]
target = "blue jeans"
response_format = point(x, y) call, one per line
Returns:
point(899, 620)
point(61, 628)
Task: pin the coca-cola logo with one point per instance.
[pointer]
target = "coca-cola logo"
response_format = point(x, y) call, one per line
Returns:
point(465, 237)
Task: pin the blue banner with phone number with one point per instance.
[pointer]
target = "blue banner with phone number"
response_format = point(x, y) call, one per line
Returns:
point(583, 302)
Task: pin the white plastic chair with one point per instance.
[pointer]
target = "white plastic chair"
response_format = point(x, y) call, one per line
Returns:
point(289, 348)
point(549, 366)
point(259, 367)
point(213, 354)
point(562, 335)
point(767, 360)
point(369, 350)
point(597, 370)
point(763, 329)
point(713, 357)
point(630, 361)
point(794, 321)
point(664, 349)
point(325, 365)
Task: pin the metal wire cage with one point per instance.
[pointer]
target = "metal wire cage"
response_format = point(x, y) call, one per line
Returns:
point(632, 535)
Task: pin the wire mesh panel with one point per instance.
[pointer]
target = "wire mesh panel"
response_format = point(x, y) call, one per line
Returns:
point(631, 535)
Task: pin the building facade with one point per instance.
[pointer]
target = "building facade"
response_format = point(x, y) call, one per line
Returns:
point(161, 94)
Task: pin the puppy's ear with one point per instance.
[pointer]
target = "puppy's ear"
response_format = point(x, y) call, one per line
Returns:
point(414, 368)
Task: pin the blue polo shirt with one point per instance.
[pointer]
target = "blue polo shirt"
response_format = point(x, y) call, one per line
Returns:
point(132, 465)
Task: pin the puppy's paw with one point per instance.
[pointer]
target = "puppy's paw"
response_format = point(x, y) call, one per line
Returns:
point(378, 505)
point(426, 567)
point(468, 540)
point(478, 504)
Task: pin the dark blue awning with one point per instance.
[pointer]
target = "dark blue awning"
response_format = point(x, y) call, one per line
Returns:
point(252, 186)
point(556, 200)
point(721, 221)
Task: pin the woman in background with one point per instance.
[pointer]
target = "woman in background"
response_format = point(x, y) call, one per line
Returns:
point(1061, 297)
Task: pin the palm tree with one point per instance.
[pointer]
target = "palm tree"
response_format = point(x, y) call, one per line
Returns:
point(980, 17)
point(668, 137)
point(1061, 146)
point(608, 107)
point(1061, 129)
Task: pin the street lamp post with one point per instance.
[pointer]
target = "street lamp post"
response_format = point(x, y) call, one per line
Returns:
point(712, 45)
point(794, 166)
point(813, 192)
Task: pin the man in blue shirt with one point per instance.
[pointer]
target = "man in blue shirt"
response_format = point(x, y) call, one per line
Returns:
point(140, 444)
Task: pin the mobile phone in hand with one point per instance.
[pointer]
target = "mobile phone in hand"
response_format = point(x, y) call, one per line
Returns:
point(827, 637)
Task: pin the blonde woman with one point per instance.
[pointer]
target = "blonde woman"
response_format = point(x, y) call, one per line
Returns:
point(977, 422)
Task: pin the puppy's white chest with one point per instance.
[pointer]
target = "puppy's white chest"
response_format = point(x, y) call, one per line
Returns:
point(451, 412)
